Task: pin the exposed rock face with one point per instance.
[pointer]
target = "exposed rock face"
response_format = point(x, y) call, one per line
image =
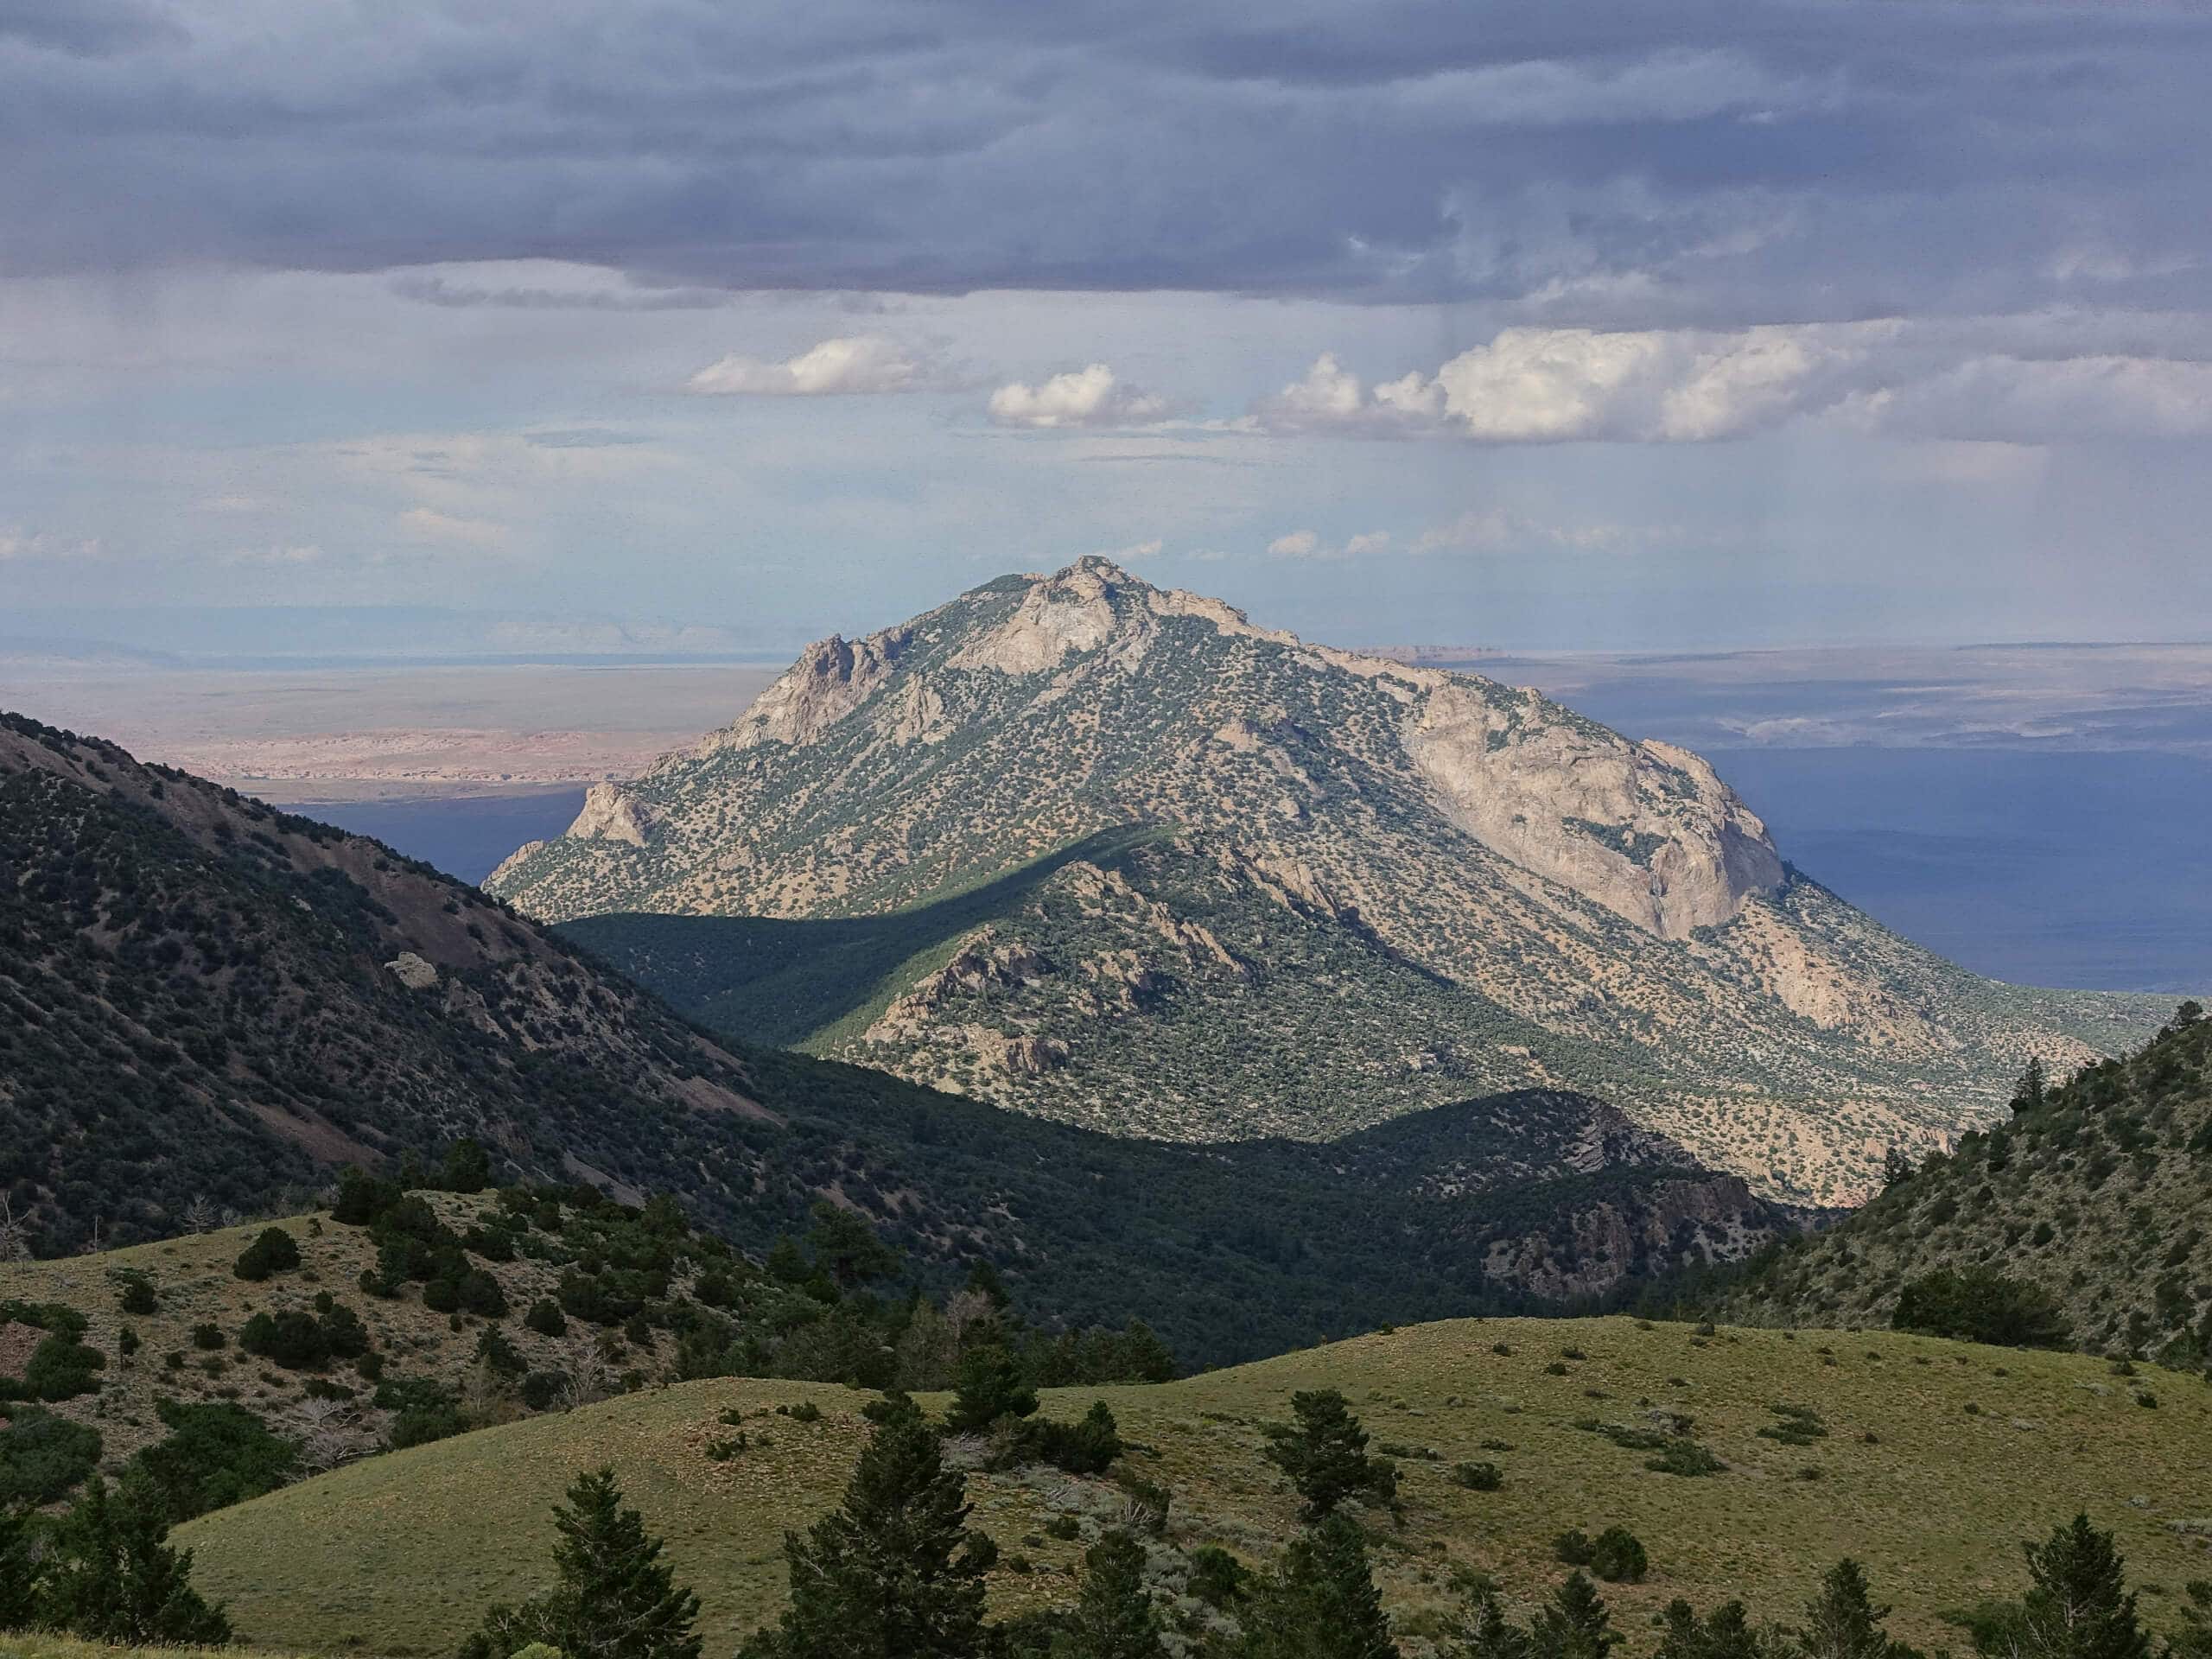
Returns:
point(831, 678)
point(1646, 829)
point(611, 812)
point(1072, 611)
point(412, 971)
point(1352, 862)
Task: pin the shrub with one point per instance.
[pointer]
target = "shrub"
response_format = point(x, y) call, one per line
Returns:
point(1800, 1425)
point(273, 1252)
point(293, 1339)
point(542, 1391)
point(1063, 1527)
point(1617, 1557)
point(1573, 1547)
point(43, 1458)
point(1979, 1304)
point(138, 1296)
point(1478, 1476)
point(61, 1367)
point(805, 1412)
point(1217, 1578)
point(421, 1425)
point(1686, 1458)
point(546, 1318)
point(1085, 1448)
point(215, 1454)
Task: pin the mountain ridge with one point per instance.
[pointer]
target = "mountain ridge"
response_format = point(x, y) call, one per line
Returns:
point(1602, 915)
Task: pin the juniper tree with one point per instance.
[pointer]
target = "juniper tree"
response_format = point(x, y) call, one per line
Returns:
point(1113, 1619)
point(1326, 1456)
point(1321, 1602)
point(895, 1572)
point(112, 1576)
point(615, 1598)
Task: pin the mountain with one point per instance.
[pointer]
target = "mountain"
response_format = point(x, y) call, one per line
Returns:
point(2099, 1193)
point(1111, 854)
point(206, 1005)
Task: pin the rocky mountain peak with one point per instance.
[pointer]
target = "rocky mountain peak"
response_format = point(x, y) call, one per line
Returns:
point(1595, 910)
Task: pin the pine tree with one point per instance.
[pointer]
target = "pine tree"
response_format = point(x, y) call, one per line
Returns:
point(112, 1576)
point(1326, 1456)
point(846, 1247)
point(615, 1598)
point(19, 1573)
point(991, 1386)
point(1842, 1621)
point(2028, 1094)
point(1321, 1602)
point(2077, 1605)
point(1482, 1631)
point(1724, 1633)
point(1114, 1617)
point(895, 1573)
point(1574, 1624)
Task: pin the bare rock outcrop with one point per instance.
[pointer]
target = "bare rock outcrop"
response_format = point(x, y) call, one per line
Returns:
point(831, 678)
point(1072, 611)
point(1646, 829)
point(612, 813)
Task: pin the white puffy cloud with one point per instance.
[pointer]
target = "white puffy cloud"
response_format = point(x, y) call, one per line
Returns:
point(1093, 396)
point(851, 365)
point(2022, 380)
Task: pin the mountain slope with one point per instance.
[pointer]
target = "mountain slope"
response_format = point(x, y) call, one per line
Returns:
point(2100, 1195)
point(1366, 887)
point(401, 1553)
point(206, 1005)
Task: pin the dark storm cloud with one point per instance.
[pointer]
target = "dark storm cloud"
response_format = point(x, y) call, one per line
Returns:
point(1617, 163)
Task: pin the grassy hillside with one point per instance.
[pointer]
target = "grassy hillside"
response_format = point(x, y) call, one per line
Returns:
point(31, 1646)
point(193, 1285)
point(1938, 1458)
point(2100, 1195)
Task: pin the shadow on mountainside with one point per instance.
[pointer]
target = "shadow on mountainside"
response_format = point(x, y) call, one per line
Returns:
point(785, 982)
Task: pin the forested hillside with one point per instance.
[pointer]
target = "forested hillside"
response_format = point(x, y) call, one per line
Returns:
point(2084, 1219)
point(212, 1008)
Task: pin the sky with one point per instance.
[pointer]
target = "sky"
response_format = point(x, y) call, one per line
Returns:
point(685, 324)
